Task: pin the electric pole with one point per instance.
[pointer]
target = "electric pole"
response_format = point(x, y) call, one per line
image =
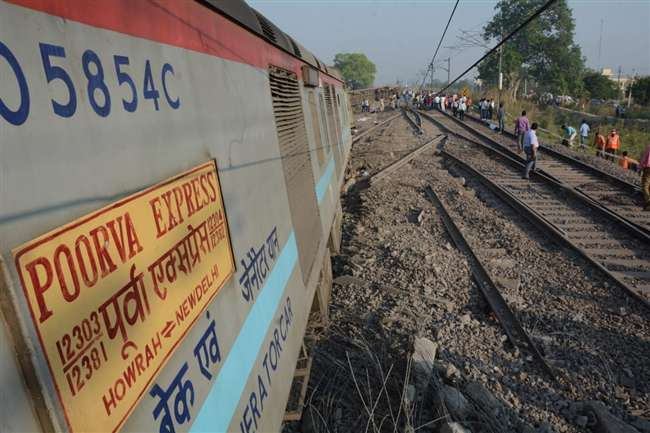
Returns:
point(600, 44)
point(629, 96)
point(448, 70)
point(526, 84)
point(500, 73)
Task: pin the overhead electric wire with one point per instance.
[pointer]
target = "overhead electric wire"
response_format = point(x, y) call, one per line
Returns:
point(503, 41)
point(439, 43)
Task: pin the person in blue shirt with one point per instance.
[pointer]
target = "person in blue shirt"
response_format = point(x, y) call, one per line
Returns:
point(569, 135)
point(584, 132)
point(531, 144)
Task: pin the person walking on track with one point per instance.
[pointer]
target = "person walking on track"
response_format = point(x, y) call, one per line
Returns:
point(501, 116)
point(644, 167)
point(613, 143)
point(599, 143)
point(521, 126)
point(584, 132)
point(531, 144)
point(462, 107)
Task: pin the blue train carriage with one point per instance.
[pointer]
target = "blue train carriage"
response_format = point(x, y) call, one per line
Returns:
point(169, 199)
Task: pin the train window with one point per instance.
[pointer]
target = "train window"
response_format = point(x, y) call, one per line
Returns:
point(296, 164)
point(335, 114)
point(267, 27)
point(333, 130)
point(344, 112)
point(315, 121)
point(326, 127)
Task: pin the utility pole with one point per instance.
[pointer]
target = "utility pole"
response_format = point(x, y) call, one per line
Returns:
point(629, 95)
point(526, 85)
point(448, 70)
point(500, 73)
point(618, 83)
point(600, 44)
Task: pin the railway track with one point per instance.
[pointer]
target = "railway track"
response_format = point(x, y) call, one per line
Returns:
point(511, 325)
point(620, 250)
point(365, 178)
point(617, 195)
point(364, 133)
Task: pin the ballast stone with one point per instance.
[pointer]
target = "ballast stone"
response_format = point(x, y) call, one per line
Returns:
point(605, 421)
point(424, 355)
point(453, 427)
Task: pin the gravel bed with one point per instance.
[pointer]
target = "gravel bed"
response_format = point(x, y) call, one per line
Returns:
point(591, 332)
point(398, 278)
point(364, 121)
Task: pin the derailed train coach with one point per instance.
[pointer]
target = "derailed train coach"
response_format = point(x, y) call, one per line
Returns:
point(169, 198)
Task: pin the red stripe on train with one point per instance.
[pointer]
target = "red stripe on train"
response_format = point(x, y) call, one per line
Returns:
point(180, 23)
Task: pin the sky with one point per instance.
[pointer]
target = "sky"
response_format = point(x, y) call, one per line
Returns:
point(401, 36)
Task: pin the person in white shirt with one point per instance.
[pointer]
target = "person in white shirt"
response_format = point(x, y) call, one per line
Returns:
point(436, 102)
point(484, 109)
point(531, 144)
point(584, 132)
point(443, 101)
point(462, 107)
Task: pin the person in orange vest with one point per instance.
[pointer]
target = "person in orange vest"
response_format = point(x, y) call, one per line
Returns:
point(599, 143)
point(624, 162)
point(613, 142)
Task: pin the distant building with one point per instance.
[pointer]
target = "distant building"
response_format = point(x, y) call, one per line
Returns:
point(621, 80)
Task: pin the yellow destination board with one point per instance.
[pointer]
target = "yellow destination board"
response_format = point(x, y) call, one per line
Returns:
point(113, 294)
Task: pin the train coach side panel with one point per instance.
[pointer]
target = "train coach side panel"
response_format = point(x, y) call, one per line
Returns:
point(171, 109)
point(322, 158)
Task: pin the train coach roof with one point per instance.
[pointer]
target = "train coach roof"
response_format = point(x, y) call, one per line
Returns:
point(243, 14)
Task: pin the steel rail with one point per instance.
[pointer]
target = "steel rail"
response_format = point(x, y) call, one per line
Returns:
point(528, 212)
point(386, 171)
point(415, 124)
point(372, 128)
point(511, 325)
point(517, 160)
point(366, 181)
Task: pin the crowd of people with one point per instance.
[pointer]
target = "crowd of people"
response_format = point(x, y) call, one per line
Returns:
point(458, 105)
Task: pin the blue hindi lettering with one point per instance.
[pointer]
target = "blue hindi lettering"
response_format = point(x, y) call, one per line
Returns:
point(254, 408)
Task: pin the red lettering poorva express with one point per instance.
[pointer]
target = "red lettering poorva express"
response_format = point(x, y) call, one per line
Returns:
point(171, 208)
point(91, 260)
point(113, 294)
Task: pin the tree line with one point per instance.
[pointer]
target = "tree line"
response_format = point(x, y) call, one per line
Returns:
point(546, 55)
